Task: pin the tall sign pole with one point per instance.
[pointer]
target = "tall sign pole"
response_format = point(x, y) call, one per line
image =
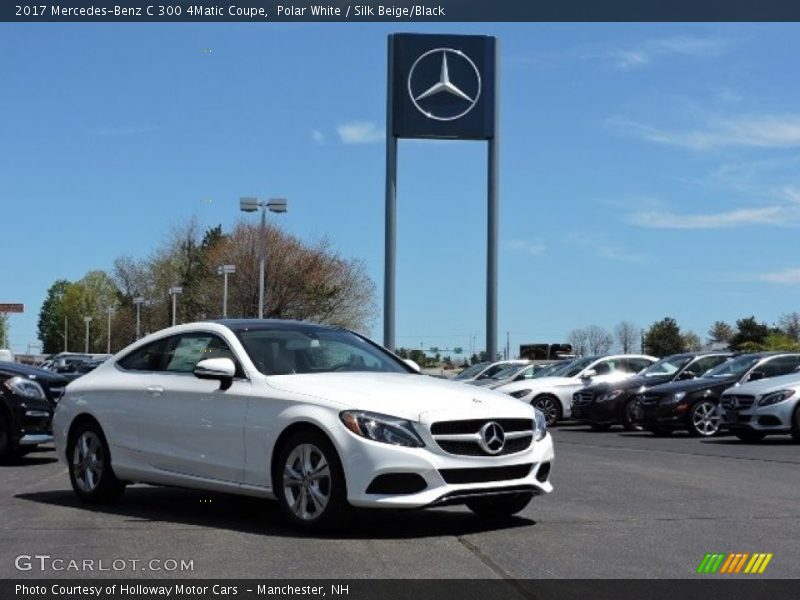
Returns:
point(442, 87)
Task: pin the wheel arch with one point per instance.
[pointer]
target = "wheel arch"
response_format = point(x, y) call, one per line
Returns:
point(290, 430)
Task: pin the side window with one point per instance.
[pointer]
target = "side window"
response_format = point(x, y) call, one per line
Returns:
point(701, 365)
point(634, 365)
point(781, 365)
point(604, 368)
point(152, 357)
point(189, 349)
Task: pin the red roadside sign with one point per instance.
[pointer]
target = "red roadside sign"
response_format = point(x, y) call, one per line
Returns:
point(12, 308)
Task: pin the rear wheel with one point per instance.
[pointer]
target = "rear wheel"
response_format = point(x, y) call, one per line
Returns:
point(309, 482)
point(704, 419)
point(749, 436)
point(499, 507)
point(90, 471)
point(550, 407)
point(629, 416)
point(796, 424)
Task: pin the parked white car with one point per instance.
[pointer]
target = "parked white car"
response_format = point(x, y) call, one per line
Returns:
point(553, 395)
point(320, 418)
point(759, 408)
point(484, 370)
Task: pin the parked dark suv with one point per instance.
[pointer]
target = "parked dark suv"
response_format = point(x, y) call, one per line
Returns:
point(693, 404)
point(606, 404)
point(27, 400)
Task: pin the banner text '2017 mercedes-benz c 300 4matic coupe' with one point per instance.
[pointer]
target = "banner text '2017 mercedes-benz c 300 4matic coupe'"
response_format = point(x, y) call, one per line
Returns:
point(320, 418)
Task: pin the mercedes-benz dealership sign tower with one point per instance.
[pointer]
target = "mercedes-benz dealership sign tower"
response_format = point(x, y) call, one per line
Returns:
point(441, 87)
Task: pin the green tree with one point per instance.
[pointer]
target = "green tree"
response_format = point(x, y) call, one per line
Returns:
point(789, 324)
point(749, 332)
point(51, 318)
point(692, 341)
point(4, 343)
point(773, 342)
point(664, 338)
point(720, 332)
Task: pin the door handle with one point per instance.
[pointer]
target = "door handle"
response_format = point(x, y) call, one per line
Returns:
point(155, 390)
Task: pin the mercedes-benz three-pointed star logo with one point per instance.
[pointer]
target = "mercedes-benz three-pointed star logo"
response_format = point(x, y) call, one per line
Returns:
point(493, 438)
point(445, 85)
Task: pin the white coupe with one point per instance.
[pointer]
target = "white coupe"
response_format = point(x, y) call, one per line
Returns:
point(320, 418)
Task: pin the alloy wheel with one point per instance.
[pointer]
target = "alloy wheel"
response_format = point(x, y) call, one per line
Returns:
point(705, 418)
point(548, 407)
point(88, 460)
point(307, 482)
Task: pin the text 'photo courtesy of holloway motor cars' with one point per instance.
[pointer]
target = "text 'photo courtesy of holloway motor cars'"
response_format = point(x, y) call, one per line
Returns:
point(320, 418)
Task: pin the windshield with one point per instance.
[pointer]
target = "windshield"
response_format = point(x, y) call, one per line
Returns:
point(573, 368)
point(471, 371)
point(509, 371)
point(284, 351)
point(733, 368)
point(548, 370)
point(666, 366)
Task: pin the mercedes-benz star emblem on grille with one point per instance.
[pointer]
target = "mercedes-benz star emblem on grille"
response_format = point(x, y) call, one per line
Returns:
point(493, 438)
point(457, 97)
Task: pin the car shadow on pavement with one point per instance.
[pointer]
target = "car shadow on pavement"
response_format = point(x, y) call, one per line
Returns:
point(27, 461)
point(257, 516)
point(768, 441)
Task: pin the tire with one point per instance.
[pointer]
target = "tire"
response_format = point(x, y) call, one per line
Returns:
point(627, 419)
point(90, 471)
point(796, 424)
point(749, 436)
point(600, 427)
point(499, 507)
point(704, 419)
point(550, 407)
point(309, 482)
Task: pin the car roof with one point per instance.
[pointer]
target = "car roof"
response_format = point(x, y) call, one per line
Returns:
point(266, 324)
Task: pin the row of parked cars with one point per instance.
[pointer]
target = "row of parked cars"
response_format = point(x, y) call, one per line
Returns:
point(29, 394)
point(751, 395)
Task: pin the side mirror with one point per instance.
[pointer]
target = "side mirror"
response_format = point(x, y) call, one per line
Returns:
point(588, 374)
point(687, 374)
point(413, 364)
point(756, 375)
point(220, 369)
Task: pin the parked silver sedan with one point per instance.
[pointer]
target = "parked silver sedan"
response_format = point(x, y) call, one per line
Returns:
point(754, 410)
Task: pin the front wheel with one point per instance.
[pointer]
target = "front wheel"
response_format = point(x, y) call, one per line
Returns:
point(550, 407)
point(6, 449)
point(309, 482)
point(499, 507)
point(704, 419)
point(629, 417)
point(796, 424)
point(90, 471)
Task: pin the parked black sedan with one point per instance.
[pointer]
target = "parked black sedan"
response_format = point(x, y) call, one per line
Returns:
point(606, 404)
point(26, 407)
point(693, 404)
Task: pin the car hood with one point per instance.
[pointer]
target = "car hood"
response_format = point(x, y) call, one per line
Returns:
point(538, 383)
point(693, 385)
point(770, 384)
point(413, 397)
point(32, 373)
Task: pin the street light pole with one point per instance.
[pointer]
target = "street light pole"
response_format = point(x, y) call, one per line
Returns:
point(87, 320)
point(225, 270)
point(174, 291)
point(138, 301)
point(275, 205)
point(65, 333)
point(108, 345)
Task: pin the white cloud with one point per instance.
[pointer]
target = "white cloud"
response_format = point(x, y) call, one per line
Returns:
point(605, 249)
point(644, 53)
point(360, 132)
point(753, 131)
point(767, 215)
point(789, 276)
point(535, 246)
point(318, 137)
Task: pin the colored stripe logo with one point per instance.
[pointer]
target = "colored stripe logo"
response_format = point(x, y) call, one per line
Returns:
point(734, 563)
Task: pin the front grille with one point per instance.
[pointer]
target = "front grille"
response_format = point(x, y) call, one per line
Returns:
point(474, 426)
point(462, 437)
point(582, 398)
point(737, 401)
point(485, 474)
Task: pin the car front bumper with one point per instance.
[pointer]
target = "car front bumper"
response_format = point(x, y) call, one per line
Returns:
point(448, 479)
point(776, 418)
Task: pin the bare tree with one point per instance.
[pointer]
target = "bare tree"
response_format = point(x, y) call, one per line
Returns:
point(579, 341)
point(599, 340)
point(692, 341)
point(627, 336)
point(720, 332)
point(790, 325)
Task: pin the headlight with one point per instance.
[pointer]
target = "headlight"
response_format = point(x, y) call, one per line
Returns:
point(381, 428)
point(677, 397)
point(610, 395)
point(775, 397)
point(26, 388)
point(519, 393)
point(539, 425)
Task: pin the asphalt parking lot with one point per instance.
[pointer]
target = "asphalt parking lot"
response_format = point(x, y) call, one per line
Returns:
point(625, 505)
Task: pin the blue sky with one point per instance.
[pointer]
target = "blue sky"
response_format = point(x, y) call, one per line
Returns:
point(646, 170)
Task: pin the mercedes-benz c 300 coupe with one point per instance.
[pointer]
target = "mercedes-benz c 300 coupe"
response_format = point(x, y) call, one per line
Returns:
point(320, 418)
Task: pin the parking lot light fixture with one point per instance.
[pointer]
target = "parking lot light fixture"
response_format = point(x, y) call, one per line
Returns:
point(110, 311)
point(138, 301)
point(225, 270)
point(174, 291)
point(87, 320)
point(275, 205)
